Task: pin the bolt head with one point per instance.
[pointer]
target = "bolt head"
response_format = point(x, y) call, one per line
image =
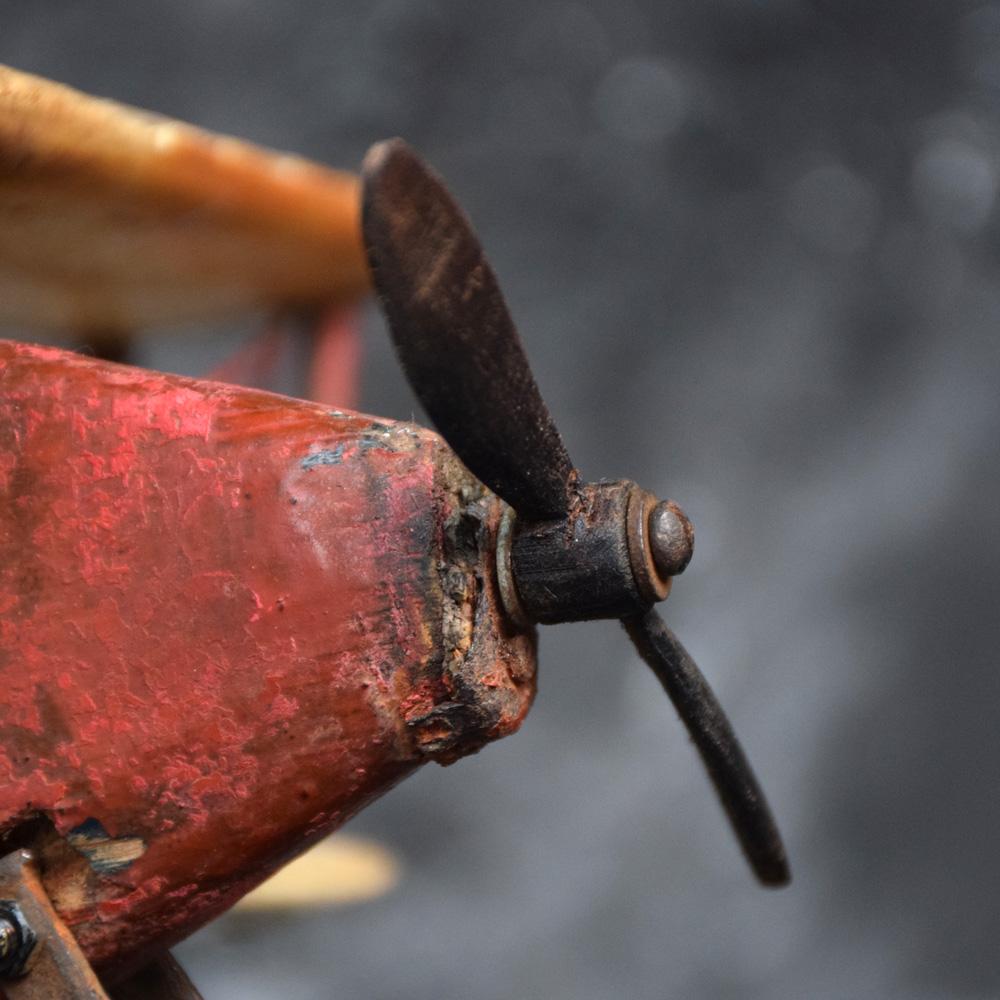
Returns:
point(671, 537)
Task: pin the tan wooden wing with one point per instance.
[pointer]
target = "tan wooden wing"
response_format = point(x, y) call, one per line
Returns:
point(112, 219)
point(338, 871)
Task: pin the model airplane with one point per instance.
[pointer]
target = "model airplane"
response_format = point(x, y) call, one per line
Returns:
point(232, 619)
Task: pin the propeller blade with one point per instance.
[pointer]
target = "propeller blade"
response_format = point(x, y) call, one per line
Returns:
point(454, 335)
point(741, 795)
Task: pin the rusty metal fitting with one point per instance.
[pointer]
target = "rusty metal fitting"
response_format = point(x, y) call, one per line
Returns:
point(652, 585)
point(505, 573)
point(17, 940)
point(671, 537)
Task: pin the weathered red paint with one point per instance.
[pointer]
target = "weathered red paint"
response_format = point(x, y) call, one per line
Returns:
point(228, 620)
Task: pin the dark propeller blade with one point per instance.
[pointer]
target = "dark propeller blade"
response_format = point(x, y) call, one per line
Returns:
point(741, 795)
point(455, 337)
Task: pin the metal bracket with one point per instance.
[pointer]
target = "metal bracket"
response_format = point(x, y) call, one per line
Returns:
point(40, 959)
point(53, 965)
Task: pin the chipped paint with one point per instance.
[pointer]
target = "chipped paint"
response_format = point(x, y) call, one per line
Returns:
point(372, 437)
point(106, 854)
point(215, 652)
point(326, 456)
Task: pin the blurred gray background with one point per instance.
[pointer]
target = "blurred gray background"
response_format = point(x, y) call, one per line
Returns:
point(754, 251)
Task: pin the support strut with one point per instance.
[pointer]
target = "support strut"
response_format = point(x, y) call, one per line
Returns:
point(40, 959)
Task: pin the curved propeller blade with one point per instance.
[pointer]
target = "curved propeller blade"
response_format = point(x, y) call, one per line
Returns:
point(741, 795)
point(454, 335)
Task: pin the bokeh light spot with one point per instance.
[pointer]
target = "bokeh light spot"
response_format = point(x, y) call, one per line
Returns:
point(642, 99)
point(834, 209)
point(955, 182)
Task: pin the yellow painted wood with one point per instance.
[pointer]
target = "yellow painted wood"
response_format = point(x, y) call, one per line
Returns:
point(112, 219)
point(336, 872)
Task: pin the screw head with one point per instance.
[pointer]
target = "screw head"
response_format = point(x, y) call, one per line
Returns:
point(671, 537)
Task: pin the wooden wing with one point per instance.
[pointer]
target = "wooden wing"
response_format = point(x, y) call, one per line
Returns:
point(113, 219)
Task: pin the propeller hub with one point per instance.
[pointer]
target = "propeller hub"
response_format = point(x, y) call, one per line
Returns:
point(613, 554)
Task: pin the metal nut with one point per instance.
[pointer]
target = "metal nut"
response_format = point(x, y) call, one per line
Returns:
point(17, 940)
